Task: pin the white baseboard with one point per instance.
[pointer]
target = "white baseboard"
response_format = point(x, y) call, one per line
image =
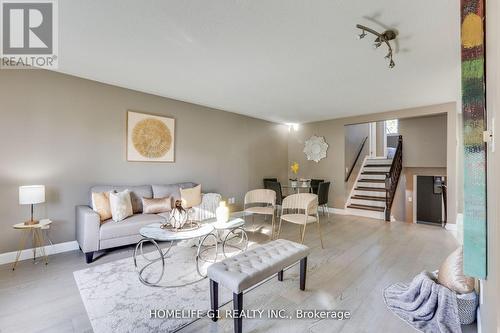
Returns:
point(451, 227)
point(336, 211)
point(10, 257)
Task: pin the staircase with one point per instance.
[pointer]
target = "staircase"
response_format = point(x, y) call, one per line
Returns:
point(368, 196)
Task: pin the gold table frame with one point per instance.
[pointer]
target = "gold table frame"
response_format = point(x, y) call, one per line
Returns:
point(35, 232)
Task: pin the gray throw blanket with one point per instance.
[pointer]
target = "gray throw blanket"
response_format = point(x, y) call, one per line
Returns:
point(424, 304)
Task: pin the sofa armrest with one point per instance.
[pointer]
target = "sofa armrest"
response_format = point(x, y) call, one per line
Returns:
point(88, 223)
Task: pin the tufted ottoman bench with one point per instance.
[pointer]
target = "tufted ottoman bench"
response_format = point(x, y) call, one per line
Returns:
point(247, 269)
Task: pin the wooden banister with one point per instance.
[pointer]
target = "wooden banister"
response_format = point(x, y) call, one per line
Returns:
point(392, 178)
point(361, 146)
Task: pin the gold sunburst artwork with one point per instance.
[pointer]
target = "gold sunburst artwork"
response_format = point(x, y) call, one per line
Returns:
point(150, 138)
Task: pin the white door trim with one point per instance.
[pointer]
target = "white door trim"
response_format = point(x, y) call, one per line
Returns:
point(373, 139)
point(385, 140)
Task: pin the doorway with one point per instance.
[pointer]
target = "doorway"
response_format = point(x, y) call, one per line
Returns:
point(430, 200)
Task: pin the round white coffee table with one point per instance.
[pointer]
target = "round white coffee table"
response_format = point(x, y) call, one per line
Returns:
point(153, 234)
point(235, 230)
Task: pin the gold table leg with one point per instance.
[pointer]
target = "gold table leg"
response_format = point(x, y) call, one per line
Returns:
point(41, 243)
point(38, 242)
point(22, 243)
point(34, 243)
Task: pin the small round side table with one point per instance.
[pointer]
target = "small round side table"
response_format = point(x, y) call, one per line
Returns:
point(35, 232)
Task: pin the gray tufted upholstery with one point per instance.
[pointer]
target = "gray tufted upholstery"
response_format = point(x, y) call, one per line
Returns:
point(253, 266)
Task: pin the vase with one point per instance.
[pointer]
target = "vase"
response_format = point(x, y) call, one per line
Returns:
point(178, 217)
point(222, 213)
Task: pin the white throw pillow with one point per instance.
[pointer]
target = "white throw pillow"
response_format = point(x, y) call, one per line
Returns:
point(121, 205)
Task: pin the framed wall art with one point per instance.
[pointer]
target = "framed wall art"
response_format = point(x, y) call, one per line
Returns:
point(150, 138)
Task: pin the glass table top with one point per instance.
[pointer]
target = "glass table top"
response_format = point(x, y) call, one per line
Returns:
point(154, 231)
point(236, 219)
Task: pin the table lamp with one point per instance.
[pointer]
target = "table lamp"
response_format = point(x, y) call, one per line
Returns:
point(31, 195)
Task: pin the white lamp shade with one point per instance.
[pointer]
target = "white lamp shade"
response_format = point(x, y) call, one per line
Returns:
point(32, 194)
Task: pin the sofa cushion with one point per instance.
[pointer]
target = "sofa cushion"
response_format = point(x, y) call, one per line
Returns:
point(129, 226)
point(136, 193)
point(101, 205)
point(121, 205)
point(155, 206)
point(170, 190)
point(451, 273)
point(191, 196)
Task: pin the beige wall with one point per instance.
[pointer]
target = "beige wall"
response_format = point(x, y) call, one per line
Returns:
point(332, 168)
point(424, 154)
point(69, 133)
point(354, 136)
point(404, 200)
point(424, 141)
point(380, 139)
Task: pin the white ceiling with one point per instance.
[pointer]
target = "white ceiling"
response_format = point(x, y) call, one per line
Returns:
point(279, 60)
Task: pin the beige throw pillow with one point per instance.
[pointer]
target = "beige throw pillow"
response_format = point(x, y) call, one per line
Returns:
point(156, 206)
point(451, 273)
point(121, 205)
point(100, 204)
point(191, 196)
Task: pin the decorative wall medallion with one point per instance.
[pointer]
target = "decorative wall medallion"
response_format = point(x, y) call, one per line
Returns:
point(315, 148)
point(150, 138)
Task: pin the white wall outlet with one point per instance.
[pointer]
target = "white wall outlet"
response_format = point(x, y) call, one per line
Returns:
point(231, 200)
point(410, 199)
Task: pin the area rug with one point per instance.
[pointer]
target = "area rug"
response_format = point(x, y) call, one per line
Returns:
point(116, 301)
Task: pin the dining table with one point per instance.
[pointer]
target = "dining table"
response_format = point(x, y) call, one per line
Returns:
point(297, 186)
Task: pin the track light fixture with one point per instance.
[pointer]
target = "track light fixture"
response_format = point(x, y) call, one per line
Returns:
point(382, 38)
point(362, 35)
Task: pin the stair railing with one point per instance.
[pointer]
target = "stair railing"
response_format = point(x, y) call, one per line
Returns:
point(392, 178)
point(361, 146)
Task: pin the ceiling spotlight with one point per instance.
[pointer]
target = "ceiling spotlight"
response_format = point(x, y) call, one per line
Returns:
point(362, 35)
point(381, 38)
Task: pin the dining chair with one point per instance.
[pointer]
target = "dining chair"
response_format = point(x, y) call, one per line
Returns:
point(323, 190)
point(261, 202)
point(302, 209)
point(276, 187)
point(315, 184)
point(266, 180)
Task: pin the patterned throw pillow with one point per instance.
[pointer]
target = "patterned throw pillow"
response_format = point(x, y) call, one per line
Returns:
point(121, 205)
point(451, 273)
point(100, 204)
point(191, 196)
point(155, 206)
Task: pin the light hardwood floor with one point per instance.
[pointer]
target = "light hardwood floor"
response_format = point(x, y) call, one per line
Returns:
point(361, 257)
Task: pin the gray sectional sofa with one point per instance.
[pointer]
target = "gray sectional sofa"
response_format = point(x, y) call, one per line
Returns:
point(93, 236)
